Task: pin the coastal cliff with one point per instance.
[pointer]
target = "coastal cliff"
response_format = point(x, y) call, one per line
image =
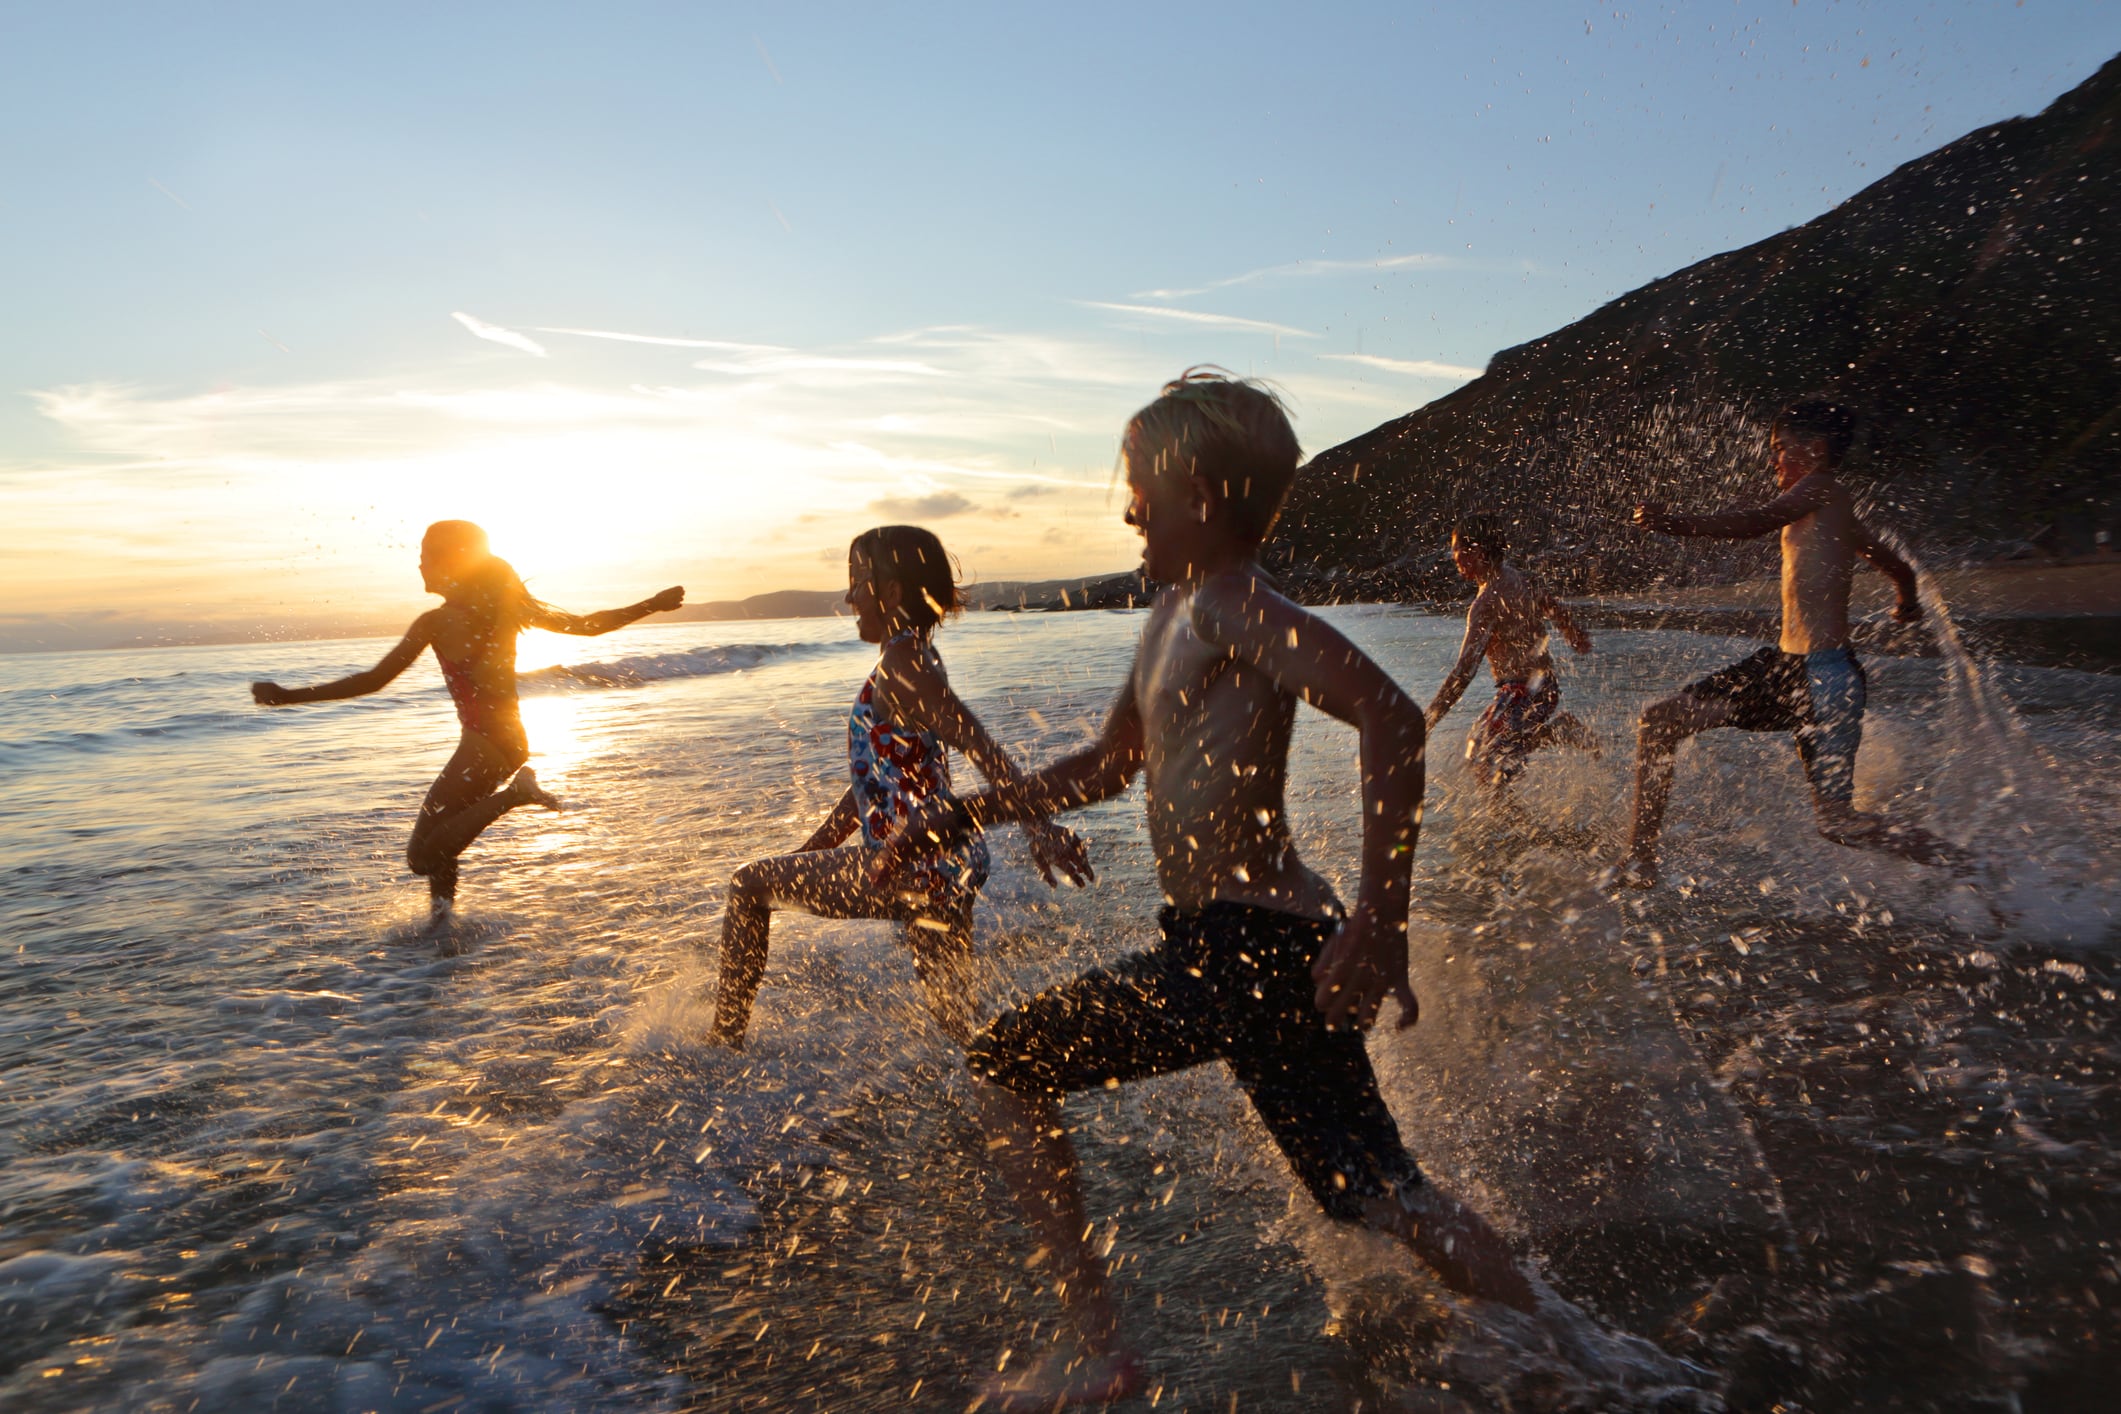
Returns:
point(1968, 305)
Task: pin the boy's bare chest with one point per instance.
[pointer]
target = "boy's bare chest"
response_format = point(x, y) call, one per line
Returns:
point(1175, 669)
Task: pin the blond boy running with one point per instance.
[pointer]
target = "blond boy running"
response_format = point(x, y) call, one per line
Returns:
point(1260, 966)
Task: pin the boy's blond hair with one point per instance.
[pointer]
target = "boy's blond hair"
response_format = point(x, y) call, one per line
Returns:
point(1232, 432)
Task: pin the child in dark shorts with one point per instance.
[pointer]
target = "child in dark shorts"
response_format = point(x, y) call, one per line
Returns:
point(1260, 966)
point(1233, 983)
point(1811, 684)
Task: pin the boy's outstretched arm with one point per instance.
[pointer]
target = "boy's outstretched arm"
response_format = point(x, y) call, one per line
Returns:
point(1908, 609)
point(1480, 627)
point(1055, 850)
point(1366, 960)
point(1796, 503)
point(396, 661)
point(1100, 772)
point(606, 620)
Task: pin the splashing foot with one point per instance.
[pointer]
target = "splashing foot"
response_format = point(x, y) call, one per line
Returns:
point(529, 792)
point(1634, 872)
point(1065, 1378)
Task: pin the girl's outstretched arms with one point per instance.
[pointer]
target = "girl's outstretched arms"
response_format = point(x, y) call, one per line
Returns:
point(397, 660)
point(591, 625)
point(841, 823)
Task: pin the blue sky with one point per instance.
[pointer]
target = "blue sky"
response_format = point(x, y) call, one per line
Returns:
point(913, 261)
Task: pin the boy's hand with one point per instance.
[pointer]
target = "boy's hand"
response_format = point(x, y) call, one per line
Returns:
point(671, 598)
point(1650, 515)
point(1362, 963)
point(268, 694)
point(1058, 848)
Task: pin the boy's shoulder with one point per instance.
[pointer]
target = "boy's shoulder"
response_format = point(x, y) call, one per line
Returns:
point(1228, 603)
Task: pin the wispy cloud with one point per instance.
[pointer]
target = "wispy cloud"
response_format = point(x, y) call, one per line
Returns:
point(661, 339)
point(1294, 268)
point(1202, 317)
point(499, 335)
point(331, 480)
point(1412, 367)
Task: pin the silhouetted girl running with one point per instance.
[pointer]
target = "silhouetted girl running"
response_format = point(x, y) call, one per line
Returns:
point(473, 634)
point(899, 733)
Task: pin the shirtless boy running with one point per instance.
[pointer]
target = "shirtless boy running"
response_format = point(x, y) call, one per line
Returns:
point(1812, 684)
point(1508, 624)
point(1259, 967)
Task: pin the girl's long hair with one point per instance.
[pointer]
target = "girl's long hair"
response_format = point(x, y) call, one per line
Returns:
point(496, 598)
point(490, 591)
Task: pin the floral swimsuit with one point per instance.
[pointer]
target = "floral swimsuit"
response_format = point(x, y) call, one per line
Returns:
point(895, 770)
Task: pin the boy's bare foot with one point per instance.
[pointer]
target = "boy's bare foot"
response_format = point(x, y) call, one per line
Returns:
point(441, 909)
point(1457, 1243)
point(1633, 872)
point(1067, 1377)
point(527, 790)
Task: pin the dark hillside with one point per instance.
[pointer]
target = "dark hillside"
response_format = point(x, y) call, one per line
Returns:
point(1969, 304)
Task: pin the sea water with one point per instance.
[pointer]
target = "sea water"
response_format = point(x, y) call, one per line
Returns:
point(267, 1142)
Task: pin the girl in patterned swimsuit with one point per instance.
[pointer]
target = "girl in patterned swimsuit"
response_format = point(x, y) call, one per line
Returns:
point(473, 634)
point(904, 721)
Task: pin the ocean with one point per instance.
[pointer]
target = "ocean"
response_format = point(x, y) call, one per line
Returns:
point(266, 1143)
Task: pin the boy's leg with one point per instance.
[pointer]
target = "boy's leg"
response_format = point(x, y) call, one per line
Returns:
point(940, 938)
point(1110, 1025)
point(1029, 1144)
point(1828, 744)
point(831, 883)
point(1316, 1092)
point(1662, 727)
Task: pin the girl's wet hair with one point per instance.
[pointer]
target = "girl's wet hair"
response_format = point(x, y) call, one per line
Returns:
point(1232, 432)
point(488, 586)
point(911, 557)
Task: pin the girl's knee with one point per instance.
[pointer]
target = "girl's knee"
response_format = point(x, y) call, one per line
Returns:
point(750, 883)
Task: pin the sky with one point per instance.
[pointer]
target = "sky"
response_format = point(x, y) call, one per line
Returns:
point(693, 293)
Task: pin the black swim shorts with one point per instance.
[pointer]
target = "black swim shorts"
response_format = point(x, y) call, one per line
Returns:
point(1229, 982)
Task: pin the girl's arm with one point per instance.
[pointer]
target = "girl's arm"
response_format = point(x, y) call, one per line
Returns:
point(841, 823)
point(591, 625)
point(397, 660)
point(1098, 773)
point(924, 698)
